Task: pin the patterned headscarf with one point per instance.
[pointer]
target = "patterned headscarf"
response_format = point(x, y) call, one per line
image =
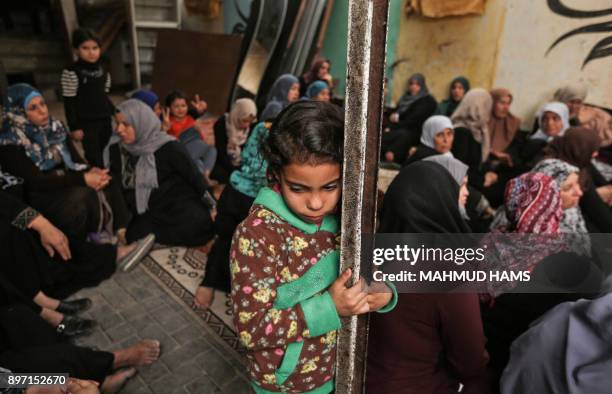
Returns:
point(533, 204)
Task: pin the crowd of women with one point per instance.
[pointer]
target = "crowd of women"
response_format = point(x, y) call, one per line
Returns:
point(149, 173)
point(550, 185)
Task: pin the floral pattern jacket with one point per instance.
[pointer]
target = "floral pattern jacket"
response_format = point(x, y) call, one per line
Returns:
point(281, 268)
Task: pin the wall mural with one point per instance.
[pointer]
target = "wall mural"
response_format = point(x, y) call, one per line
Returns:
point(603, 48)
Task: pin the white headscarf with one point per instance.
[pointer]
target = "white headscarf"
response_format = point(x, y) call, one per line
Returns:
point(432, 126)
point(557, 108)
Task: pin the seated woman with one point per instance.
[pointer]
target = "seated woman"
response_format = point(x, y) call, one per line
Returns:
point(319, 71)
point(162, 185)
point(231, 133)
point(578, 146)
point(33, 146)
point(535, 207)
point(568, 350)
point(318, 91)
point(553, 119)
point(430, 343)
point(286, 90)
point(233, 207)
point(585, 115)
point(412, 110)
point(68, 265)
point(457, 90)
point(436, 139)
point(506, 141)
point(29, 345)
point(472, 143)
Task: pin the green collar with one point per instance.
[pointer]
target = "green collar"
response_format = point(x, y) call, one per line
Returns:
point(273, 201)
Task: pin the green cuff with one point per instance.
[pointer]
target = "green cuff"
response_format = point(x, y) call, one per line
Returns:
point(389, 307)
point(320, 314)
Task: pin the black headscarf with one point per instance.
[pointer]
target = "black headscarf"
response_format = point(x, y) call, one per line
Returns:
point(423, 198)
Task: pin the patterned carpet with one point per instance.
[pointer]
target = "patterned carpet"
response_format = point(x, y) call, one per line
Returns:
point(180, 270)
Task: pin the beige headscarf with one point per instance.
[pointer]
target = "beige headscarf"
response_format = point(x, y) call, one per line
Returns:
point(236, 137)
point(504, 129)
point(474, 113)
point(570, 92)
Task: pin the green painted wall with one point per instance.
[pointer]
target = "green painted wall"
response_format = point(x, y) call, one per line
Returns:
point(334, 46)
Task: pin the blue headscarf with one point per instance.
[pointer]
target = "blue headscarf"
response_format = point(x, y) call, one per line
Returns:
point(315, 88)
point(147, 97)
point(278, 96)
point(44, 145)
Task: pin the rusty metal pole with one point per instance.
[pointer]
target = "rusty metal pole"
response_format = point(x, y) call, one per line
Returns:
point(367, 33)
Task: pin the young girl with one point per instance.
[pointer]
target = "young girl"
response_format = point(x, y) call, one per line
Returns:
point(286, 292)
point(177, 116)
point(85, 87)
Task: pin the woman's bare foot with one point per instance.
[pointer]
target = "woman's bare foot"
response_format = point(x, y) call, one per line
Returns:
point(144, 352)
point(123, 250)
point(204, 297)
point(113, 383)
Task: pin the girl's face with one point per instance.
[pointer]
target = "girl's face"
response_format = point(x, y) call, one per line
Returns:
point(124, 130)
point(294, 93)
point(179, 108)
point(463, 192)
point(443, 141)
point(413, 87)
point(157, 109)
point(89, 51)
point(574, 107)
point(323, 96)
point(502, 107)
point(570, 191)
point(37, 111)
point(311, 191)
point(457, 91)
point(551, 124)
point(323, 70)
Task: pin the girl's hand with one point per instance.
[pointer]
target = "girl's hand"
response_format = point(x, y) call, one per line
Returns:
point(349, 301)
point(77, 135)
point(199, 105)
point(329, 79)
point(51, 238)
point(166, 119)
point(394, 117)
point(379, 296)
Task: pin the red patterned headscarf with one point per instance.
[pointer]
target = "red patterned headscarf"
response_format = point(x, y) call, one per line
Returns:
point(533, 204)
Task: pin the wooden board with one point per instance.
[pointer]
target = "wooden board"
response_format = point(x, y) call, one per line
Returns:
point(193, 62)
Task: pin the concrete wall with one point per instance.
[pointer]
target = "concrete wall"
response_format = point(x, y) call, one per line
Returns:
point(505, 47)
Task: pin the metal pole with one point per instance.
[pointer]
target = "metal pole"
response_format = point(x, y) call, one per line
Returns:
point(367, 33)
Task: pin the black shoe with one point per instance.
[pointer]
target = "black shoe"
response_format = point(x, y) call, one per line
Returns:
point(72, 326)
point(73, 307)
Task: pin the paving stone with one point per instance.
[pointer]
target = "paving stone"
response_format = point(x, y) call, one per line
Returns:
point(166, 385)
point(97, 340)
point(153, 372)
point(134, 384)
point(120, 332)
point(237, 386)
point(171, 322)
point(189, 333)
point(219, 370)
point(184, 353)
point(202, 385)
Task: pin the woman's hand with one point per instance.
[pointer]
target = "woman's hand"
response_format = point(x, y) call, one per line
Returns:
point(97, 178)
point(605, 192)
point(349, 301)
point(490, 178)
point(394, 117)
point(503, 157)
point(51, 238)
point(200, 105)
point(77, 135)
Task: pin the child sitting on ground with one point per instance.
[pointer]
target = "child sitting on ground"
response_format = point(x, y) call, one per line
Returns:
point(284, 259)
point(177, 116)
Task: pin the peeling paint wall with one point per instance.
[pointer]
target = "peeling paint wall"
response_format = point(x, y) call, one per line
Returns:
point(505, 47)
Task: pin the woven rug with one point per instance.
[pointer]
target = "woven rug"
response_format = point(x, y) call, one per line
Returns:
point(180, 270)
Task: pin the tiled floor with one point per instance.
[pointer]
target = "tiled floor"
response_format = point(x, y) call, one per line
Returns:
point(132, 306)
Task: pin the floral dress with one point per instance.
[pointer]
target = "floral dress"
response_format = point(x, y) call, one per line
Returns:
point(281, 268)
